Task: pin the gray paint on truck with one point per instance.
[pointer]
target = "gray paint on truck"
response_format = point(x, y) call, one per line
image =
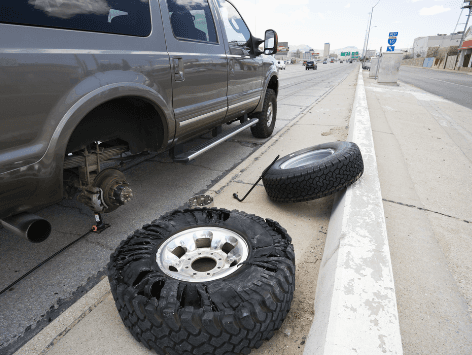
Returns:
point(50, 79)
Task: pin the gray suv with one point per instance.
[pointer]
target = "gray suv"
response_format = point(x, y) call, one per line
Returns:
point(84, 82)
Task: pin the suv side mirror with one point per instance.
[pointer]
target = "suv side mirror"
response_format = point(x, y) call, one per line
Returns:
point(271, 42)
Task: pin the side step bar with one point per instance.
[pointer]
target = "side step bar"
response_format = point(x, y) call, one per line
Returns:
point(202, 148)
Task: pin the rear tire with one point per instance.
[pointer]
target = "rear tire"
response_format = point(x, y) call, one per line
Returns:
point(267, 117)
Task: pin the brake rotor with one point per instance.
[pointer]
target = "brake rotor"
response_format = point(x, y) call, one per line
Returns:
point(116, 190)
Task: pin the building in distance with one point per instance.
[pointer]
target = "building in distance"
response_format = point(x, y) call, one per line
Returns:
point(421, 44)
point(326, 50)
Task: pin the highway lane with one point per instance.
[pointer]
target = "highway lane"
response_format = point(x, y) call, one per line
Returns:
point(159, 185)
point(456, 87)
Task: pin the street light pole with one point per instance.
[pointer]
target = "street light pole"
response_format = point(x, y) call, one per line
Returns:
point(365, 40)
point(370, 23)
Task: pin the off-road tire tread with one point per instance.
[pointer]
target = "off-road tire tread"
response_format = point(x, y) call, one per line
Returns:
point(237, 324)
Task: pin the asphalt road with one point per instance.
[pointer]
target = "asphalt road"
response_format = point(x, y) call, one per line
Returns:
point(158, 184)
point(456, 87)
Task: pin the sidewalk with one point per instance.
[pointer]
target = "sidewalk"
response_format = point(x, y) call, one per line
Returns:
point(93, 326)
point(423, 145)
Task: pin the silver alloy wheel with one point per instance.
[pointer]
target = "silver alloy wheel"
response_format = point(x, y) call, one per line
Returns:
point(202, 254)
point(269, 114)
point(306, 158)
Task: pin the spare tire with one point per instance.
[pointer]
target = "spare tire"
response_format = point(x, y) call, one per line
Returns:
point(314, 172)
point(204, 281)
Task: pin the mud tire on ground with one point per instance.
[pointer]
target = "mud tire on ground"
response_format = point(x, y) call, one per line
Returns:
point(318, 178)
point(226, 316)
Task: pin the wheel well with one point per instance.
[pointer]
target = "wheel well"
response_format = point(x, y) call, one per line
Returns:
point(130, 119)
point(274, 84)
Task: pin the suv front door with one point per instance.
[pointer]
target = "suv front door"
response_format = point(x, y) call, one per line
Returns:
point(245, 69)
point(199, 65)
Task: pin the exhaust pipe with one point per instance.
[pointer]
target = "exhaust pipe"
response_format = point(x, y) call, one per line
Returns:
point(29, 226)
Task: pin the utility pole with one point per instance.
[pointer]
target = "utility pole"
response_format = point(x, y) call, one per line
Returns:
point(466, 22)
point(457, 24)
point(370, 23)
point(468, 6)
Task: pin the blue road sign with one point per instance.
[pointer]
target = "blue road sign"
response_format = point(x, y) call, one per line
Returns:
point(390, 49)
point(393, 34)
point(392, 41)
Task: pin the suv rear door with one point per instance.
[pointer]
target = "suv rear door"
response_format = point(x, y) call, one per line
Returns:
point(199, 65)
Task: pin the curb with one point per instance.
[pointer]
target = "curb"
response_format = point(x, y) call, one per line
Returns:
point(355, 303)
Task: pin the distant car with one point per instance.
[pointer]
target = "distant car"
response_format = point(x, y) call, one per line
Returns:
point(341, 61)
point(325, 62)
point(281, 64)
point(311, 65)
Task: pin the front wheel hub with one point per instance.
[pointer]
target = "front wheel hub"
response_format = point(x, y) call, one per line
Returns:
point(122, 194)
point(116, 191)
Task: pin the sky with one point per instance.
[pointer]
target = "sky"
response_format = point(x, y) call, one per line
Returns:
point(344, 23)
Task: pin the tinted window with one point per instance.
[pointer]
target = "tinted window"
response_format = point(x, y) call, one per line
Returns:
point(236, 29)
point(126, 17)
point(192, 20)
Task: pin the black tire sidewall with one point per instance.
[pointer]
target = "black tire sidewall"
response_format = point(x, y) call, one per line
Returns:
point(316, 179)
point(260, 129)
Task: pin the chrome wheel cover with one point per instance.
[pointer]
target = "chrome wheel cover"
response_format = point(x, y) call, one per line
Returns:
point(202, 254)
point(306, 158)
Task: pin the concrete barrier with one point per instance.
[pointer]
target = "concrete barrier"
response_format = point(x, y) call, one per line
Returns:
point(355, 305)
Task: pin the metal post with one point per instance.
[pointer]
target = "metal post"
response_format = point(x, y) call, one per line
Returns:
point(370, 23)
point(365, 40)
point(466, 23)
point(465, 30)
point(457, 24)
point(368, 34)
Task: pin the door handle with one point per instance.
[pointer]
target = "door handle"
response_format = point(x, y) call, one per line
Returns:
point(178, 66)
